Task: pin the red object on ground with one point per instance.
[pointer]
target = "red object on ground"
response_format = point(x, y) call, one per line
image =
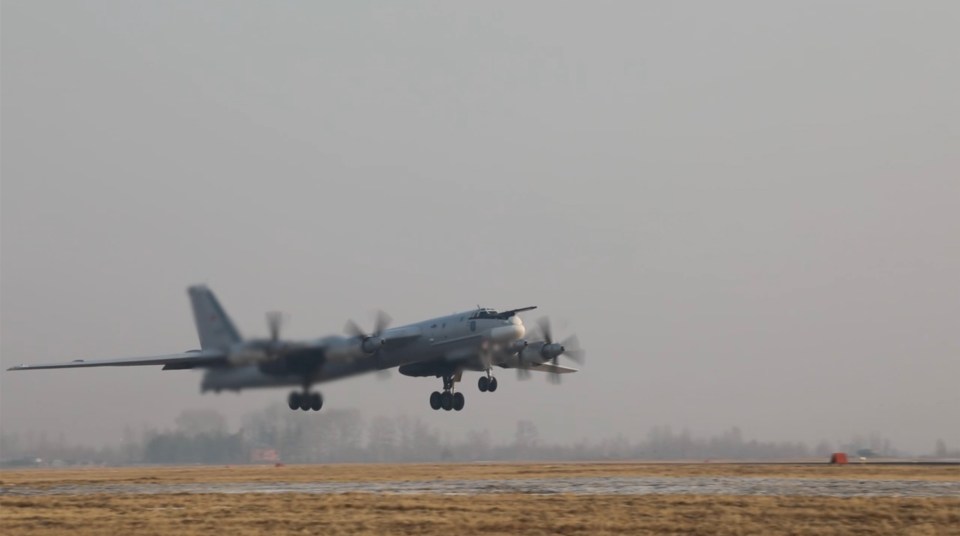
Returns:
point(838, 458)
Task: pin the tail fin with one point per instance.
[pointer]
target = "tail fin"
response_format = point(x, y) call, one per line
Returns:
point(214, 327)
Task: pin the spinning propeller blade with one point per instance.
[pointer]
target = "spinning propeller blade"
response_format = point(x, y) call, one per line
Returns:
point(274, 321)
point(381, 323)
point(572, 349)
point(569, 347)
point(352, 329)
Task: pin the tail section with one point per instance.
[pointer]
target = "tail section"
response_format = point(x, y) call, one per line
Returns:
point(214, 327)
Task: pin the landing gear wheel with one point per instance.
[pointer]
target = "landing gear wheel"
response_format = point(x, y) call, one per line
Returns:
point(305, 400)
point(316, 401)
point(293, 401)
point(435, 400)
point(458, 401)
point(492, 386)
point(446, 401)
point(483, 383)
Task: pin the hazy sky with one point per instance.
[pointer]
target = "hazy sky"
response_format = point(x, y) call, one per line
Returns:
point(748, 211)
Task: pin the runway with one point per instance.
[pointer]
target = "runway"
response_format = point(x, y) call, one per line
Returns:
point(752, 486)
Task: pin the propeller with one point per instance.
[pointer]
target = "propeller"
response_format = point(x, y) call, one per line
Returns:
point(544, 324)
point(572, 349)
point(380, 325)
point(523, 373)
point(569, 347)
point(373, 341)
point(274, 321)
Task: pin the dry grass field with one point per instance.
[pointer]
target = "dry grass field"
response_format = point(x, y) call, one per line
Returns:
point(482, 514)
point(363, 513)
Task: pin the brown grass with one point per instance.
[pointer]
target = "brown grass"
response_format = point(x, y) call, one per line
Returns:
point(297, 513)
point(474, 471)
point(484, 514)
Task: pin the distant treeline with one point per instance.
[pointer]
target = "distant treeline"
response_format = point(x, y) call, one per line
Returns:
point(277, 434)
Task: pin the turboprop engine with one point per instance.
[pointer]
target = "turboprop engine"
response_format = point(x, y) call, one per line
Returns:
point(260, 350)
point(532, 354)
point(359, 344)
point(537, 353)
point(348, 349)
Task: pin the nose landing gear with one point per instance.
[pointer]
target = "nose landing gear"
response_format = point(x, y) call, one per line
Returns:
point(487, 384)
point(448, 399)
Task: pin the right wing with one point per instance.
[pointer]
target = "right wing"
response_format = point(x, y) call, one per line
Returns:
point(550, 367)
point(185, 360)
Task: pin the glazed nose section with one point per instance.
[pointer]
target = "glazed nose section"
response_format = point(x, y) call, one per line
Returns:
point(510, 332)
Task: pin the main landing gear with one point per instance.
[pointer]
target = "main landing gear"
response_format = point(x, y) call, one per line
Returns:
point(448, 399)
point(305, 401)
point(487, 383)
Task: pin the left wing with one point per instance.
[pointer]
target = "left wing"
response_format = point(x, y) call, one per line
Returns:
point(171, 361)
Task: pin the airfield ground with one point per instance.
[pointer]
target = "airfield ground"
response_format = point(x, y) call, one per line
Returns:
point(92, 501)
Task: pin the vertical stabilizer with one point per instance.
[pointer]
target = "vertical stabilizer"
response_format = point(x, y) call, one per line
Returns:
point(214, 327)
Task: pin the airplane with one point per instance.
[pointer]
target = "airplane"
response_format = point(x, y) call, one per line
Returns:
point(443, 347)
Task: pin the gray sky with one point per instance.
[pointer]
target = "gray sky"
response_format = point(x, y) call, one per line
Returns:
point(748, 211)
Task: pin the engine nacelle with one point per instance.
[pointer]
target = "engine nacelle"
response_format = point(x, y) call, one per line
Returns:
point(370, 345)
point(531, 354)
point(352, 348)
point(551, 351)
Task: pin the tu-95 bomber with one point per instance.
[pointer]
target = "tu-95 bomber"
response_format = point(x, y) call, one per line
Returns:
point(480, 340)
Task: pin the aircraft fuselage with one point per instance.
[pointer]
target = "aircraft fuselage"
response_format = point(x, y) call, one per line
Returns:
point(453, 338)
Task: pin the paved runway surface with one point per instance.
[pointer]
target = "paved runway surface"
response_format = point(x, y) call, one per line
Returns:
point(576, 486)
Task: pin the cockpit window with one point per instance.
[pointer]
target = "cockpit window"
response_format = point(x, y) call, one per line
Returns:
point(484, 314)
